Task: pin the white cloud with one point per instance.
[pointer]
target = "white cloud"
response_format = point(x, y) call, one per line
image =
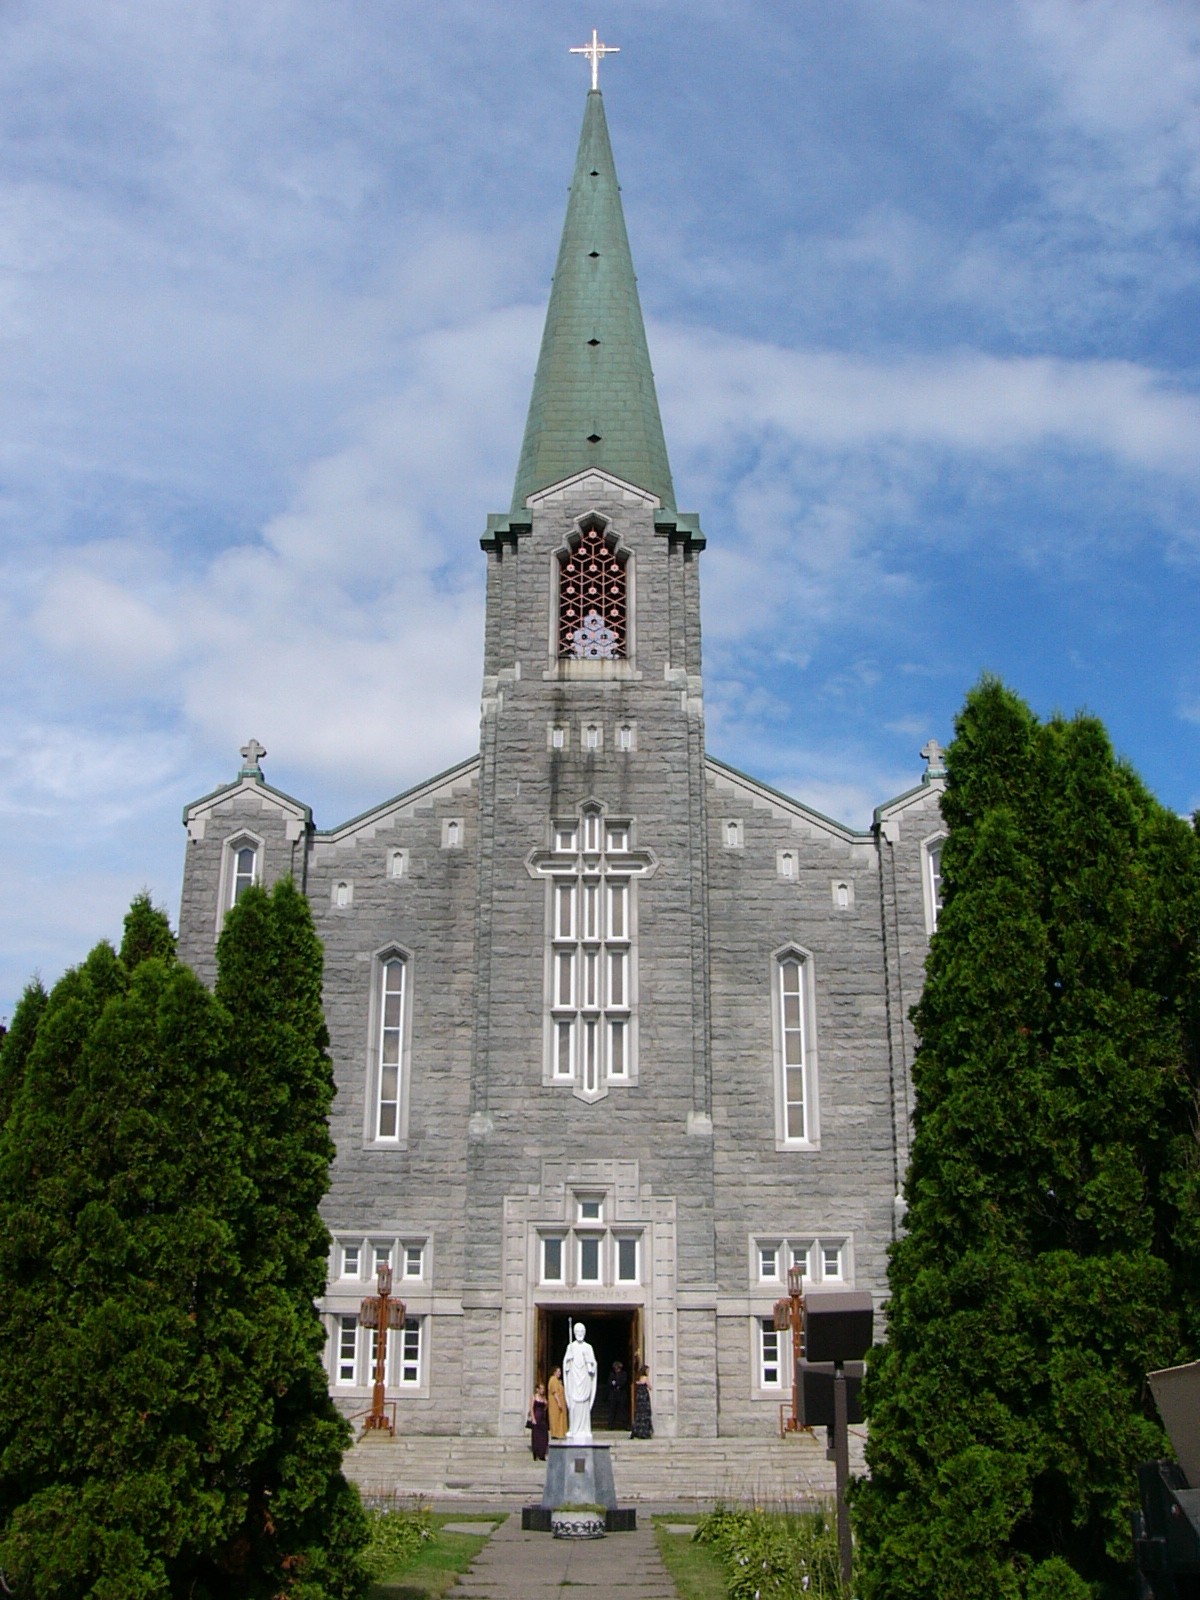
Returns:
point(720, 391)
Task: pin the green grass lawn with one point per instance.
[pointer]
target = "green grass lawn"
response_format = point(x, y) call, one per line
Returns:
point(437, 1563)
point(694, 1569)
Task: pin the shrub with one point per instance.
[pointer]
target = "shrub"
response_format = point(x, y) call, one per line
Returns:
point(781, 1554)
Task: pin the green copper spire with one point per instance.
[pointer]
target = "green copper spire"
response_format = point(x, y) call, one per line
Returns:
point(593, 402)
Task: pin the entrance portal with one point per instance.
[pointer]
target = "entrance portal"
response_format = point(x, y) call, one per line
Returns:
point(614, 1333)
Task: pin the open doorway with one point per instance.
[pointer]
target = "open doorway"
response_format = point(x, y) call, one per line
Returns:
point(614, 1333)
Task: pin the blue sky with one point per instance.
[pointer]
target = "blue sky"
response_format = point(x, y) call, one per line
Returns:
point(921, 290)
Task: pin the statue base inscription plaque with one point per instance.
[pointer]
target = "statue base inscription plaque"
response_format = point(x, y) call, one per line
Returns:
point(579, 1475)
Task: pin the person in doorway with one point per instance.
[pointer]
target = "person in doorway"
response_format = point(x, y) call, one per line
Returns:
point(539, 1423)
point(558, 1405)
point(643, 1422)
point(618, 1396)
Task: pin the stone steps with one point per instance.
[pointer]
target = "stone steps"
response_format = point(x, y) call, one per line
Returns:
point(691, 1472)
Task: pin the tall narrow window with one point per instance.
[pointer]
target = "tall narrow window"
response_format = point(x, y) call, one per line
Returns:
point(791, 1007)
point(932, 874)
point(390, 1059)
point(592, 600)
point(245, 863)
point(795, 1059)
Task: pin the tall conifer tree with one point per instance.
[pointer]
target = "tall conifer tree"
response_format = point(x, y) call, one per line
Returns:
point(142, 1449)
point(1050, 1254)
point(299, 1506)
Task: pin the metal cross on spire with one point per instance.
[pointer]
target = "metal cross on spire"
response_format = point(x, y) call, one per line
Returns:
point(594, 52)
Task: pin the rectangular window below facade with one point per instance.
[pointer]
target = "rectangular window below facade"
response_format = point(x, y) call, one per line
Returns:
point(627, 1260)
point(589, 1260)
point(414, 1260)
point(351, 1260)
point(768, 1263)
point(770, 1366)
point(409, 1363)
point(800, 1254)
point(346, 1358)
point(552, 1260)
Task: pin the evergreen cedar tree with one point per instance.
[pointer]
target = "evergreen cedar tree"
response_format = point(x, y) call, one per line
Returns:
point(1052, 1240)
point(165, 1424)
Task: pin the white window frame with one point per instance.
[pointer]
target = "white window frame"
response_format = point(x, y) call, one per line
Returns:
point(228, 894)
point(787, 865)
point(345, 1326)
point(774, 1249)
point(732, 833)
point(341, 894)
point(931, 879)
point(453, 833)
point(409, 1248)
point(771, 1348)
point(837, 1249)
point(782, 1034)
point(346, 1267)
point(803, 1253)
point(406, 1353)
point(396, 1139)
point(397, 863)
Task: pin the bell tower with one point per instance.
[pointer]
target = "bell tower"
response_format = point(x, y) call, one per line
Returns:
point(592, 1030)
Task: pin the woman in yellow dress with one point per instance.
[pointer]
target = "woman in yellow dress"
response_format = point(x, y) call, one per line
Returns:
point(558, 1405)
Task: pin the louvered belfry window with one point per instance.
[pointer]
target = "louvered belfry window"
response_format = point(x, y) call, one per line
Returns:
point(592, 610)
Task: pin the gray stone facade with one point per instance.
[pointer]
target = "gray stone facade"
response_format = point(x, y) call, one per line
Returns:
point(564, 982)
point(688, 1157)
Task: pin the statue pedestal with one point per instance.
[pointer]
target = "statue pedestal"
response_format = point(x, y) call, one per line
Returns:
point(579, 1475)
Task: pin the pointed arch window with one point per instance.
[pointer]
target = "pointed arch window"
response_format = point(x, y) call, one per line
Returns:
point(387, 1098)
point(796, 1124)
point(593, 608)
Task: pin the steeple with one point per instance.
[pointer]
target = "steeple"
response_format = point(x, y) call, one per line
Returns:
point(593, 402)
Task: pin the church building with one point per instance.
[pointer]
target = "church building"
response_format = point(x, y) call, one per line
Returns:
point(620, 1033)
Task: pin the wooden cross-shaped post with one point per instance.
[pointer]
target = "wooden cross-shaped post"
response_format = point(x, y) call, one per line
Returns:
point(595, 52)
point(381, 1312)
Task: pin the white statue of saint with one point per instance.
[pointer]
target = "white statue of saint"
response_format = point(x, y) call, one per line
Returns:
point(579, 1384)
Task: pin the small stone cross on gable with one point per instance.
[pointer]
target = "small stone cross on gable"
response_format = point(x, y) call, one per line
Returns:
point(934, 755)
point(252, 754)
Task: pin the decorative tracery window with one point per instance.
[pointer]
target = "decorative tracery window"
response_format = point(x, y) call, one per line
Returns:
point(591, 975)
point(592, 600)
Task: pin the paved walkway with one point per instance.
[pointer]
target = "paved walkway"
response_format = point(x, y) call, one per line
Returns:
point(535, 1566)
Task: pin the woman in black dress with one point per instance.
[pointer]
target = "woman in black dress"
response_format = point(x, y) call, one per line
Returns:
point(643, 1424)
point(539, 1422)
